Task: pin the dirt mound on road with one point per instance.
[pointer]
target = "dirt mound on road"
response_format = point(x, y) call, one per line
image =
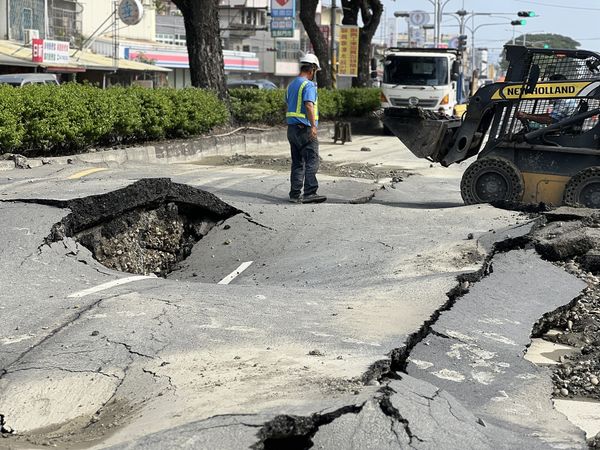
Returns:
point(571, 239)
point(352, 170)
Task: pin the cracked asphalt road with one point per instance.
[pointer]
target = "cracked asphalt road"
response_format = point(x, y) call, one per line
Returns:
point(296, 349)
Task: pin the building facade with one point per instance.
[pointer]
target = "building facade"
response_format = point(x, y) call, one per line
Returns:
point(249, 50)
point(49, 36)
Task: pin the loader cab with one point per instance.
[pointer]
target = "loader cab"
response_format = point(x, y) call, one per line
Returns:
point(425, 78)
point(557, 161)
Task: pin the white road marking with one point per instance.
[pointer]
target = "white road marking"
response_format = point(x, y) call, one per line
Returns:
point(451, 375)
point(423, 365)
point(229, 278)
point(109, 284)
point(15, 339)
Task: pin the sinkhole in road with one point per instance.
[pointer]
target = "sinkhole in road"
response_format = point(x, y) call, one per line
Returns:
point(144, 228)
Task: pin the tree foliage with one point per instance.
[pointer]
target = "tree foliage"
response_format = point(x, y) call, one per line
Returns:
point(159, 6)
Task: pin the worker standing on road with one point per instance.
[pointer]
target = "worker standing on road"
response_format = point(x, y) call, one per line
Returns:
point(302, 119)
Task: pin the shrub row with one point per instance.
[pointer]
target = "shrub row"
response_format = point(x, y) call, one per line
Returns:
point(39, 119)
point(268, 106)
point(43, 118)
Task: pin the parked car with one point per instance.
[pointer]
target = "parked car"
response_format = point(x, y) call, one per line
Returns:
point(251, 84)
point(21, 79)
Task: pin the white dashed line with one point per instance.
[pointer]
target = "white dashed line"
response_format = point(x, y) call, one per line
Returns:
point(229, 278)
point(109, 284)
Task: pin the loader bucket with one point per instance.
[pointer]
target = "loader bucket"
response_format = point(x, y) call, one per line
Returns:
point(425, 133)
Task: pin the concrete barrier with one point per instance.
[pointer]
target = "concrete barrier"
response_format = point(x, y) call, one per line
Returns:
point(177, 151)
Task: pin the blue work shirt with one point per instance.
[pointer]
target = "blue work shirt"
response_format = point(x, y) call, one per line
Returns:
point(563, 108)
point(299, 91)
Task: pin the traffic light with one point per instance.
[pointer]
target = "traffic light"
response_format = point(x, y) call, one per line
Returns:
point(546, 46)
point(518, 22)
point(462, 42)
point(526, 14)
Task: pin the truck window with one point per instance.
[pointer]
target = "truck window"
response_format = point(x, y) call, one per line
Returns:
point(416, 70)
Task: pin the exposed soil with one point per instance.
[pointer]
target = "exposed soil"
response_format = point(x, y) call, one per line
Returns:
point(571, 240)
point(578, 374)
point(353, 170)
point(145, 241)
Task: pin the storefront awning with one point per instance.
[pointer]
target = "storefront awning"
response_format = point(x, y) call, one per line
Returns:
point(13, 54)
point(178, 58)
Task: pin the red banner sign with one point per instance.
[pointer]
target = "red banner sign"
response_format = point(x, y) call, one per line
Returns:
point(37, 47)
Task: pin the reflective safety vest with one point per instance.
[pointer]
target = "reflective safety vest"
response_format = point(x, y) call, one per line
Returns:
point(298, 111)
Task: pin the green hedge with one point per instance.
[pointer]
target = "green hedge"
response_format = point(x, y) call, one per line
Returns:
point(52, 119)
point(267, 106)
point(38, 119)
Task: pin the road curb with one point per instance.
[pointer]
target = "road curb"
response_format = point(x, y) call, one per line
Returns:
point(175, 151)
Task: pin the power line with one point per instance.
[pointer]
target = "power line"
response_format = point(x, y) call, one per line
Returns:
point(553, 5)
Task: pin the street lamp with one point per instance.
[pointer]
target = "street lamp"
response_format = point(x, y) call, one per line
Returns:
point(406, 15)
point(438, 10)
point(472, 31)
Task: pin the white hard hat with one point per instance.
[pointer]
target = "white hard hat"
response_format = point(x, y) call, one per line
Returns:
point(309, 58)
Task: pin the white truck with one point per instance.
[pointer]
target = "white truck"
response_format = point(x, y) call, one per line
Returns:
point(423, 77)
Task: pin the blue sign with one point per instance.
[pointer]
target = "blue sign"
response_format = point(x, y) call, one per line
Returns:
point(285, 23)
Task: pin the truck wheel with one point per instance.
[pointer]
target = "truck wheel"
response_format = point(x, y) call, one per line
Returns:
point(490, 180)
point(583, 189)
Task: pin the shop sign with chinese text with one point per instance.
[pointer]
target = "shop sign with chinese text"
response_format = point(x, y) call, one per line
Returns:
point(47, 51)
point(348, 53)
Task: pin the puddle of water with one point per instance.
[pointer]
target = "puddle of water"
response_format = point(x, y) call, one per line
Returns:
point(546, 353)
point(584, 414)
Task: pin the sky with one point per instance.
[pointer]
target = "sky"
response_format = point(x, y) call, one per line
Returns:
point(578, 19)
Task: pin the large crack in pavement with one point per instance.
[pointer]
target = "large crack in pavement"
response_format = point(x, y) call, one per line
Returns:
point(294, 431)
point(394, 369)
point(287, 432)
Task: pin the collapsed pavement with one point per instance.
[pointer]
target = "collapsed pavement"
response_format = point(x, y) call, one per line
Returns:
point(139, 379)
point(144, 228)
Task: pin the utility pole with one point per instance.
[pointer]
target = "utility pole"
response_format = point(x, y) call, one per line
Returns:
point(46, 21)
point(115, 36)
point(473, 41)
point(332, 48)
point(436, 21)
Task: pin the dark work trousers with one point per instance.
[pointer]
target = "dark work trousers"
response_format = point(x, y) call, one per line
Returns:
point(305, 161)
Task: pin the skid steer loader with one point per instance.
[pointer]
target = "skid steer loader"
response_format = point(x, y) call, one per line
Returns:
point(518, 160)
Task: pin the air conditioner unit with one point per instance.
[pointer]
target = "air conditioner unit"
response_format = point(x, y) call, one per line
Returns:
point(30, 35)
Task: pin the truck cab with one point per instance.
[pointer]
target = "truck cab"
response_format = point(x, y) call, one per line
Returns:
point(424, 77)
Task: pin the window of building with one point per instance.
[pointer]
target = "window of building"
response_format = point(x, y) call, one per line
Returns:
point(171, 39)
point(165, 38)
point(287, 50)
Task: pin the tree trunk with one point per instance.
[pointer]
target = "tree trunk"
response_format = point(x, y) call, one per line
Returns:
point(308, 10)
point(350, 10)
point(370, 11)
point(201, 20)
